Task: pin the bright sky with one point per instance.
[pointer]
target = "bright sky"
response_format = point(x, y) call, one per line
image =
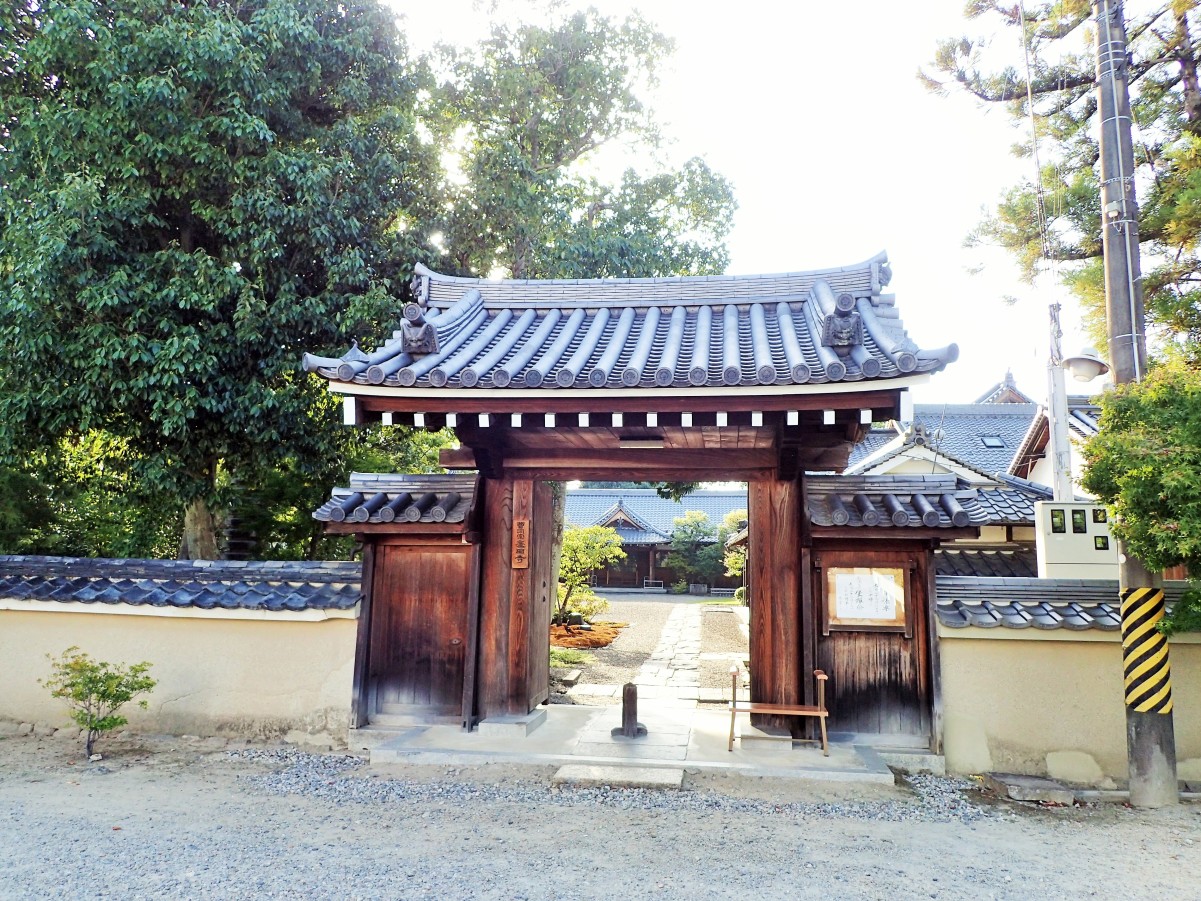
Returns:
point(836, 152)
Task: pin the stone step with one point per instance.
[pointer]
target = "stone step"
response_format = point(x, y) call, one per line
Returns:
point(1029, 788)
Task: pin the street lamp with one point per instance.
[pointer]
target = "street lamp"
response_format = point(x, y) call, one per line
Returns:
point(1086, 366)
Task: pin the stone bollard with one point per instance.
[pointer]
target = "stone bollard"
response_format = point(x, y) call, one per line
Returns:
point(630, 727)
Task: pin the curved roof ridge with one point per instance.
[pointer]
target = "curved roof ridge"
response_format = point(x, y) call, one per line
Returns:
point(629, 514)
point(880, 257)
point(864, 280)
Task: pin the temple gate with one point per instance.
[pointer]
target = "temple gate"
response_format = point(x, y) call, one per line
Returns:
point(726, 378)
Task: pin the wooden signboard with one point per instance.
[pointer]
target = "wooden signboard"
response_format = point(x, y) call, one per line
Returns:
point(521, 544)
point(865, 597)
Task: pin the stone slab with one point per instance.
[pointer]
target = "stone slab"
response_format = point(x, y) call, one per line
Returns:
point(630, 749)
point(751, 737)
point(1029, 788)
point(515, 726)
point(915, 762)
point(583, 776)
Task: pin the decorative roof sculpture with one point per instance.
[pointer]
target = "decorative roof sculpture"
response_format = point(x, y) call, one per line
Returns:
point(687, 334)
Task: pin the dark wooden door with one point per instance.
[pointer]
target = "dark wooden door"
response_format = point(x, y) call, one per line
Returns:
point(419, 629)
point(879, 683)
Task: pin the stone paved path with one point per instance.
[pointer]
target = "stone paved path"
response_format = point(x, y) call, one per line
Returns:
point(671, 675)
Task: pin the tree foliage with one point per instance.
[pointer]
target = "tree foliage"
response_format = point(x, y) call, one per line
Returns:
point(1166, 106)
point(1145, 463)
point(82, 497)
point(532, 106)
point(735, 557)
point(695, 553)
point(190, 196)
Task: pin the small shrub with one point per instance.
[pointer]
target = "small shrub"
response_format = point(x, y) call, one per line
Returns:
point(680, 587)
point(584, 602)
point(589, 605)
point(740, 594)
point(569, 657)
point(95, 690)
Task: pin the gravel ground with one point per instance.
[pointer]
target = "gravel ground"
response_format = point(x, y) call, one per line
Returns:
point(162, 820)
point(619, 663)
point(723, 644)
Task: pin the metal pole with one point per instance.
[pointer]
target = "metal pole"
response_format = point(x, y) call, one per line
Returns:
point(1150, 735)
point(1057, 403)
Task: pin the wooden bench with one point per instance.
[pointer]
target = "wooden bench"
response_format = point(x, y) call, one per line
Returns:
point(737, 707)
point(722, 592)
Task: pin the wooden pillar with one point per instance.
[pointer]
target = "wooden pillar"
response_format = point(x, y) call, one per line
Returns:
point(359, 688)
point(515, 604)
point(774, 567)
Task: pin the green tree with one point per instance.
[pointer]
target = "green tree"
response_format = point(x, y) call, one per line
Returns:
point(695, 552)
point(532, 105)
point(1145, 463)
point(734, 558)
point(190, 196)
point(1062, 221)
point(586, 549)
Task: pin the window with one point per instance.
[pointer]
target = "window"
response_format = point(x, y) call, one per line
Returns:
point(992, 441)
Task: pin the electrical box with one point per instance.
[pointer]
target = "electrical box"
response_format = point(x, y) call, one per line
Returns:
point(1073, 541)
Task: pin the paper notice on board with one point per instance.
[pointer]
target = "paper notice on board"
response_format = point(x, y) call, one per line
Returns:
point(866, 595)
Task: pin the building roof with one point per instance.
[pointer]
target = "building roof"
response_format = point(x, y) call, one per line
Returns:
point(1076, 604)
point(1004, 392)
point(1006, 562)
point(983, 437)
point(379, 498)
point(688, 335)
point(1084, 421)
point(1011, 505)
point(890, 502)
point(596, 506)
point(199, 584)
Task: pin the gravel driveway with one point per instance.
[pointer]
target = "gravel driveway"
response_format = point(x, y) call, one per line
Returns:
point(160, 820)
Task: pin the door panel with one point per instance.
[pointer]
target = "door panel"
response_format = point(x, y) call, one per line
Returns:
point(419, 629)
point(878, 679)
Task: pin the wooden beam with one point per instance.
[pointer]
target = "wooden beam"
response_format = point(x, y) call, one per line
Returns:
point(629, 458)
point(605, 473)
point(884, 403)
point(456, 458)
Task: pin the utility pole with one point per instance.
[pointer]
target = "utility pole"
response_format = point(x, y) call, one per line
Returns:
point(1150, 734)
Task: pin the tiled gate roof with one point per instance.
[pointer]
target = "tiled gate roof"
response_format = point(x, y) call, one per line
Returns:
point(830, 325)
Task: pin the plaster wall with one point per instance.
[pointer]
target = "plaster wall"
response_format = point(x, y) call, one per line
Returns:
point(1051, 703)
point(262, 678)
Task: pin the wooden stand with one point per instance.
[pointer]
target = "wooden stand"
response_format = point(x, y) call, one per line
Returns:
point(818, 711)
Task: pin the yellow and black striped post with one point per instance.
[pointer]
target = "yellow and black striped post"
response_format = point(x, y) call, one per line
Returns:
point(1145, 651)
